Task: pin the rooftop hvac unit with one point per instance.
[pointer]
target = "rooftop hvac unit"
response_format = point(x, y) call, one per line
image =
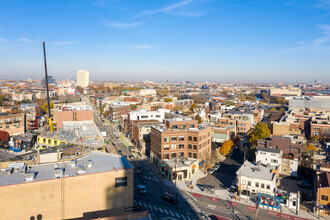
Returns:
point(81, 169)
point(89, 164)
point(29, 176)
point(73, 163)
point(58, 172)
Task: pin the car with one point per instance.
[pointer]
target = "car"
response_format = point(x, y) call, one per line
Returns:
point(142, 189)
point(143, 179)
point(211, 170)
point(209, 188)
point(218, 163)
point(120, 152)
point(216, 167)
point(232, 189)
point(170, 197)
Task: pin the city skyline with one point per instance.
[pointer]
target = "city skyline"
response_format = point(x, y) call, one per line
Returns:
point(196, 40)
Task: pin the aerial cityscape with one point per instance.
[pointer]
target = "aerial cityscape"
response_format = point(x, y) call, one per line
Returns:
point(178, 109)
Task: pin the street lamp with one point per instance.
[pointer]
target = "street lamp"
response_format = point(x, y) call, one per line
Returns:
point(297, 202)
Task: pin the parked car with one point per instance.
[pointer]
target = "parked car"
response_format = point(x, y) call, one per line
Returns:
point(216, 167)
point(209, 188)
point(210, 171)
point(143, 179)
point(142, 189)
point(170, 197)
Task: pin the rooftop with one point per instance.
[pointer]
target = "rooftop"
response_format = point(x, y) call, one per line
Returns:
point(258, 171)
point(74, 108)
point(177, 163)
point(95, 162)
point(269, 150)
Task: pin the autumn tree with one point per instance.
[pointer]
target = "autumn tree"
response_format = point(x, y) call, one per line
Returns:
point(192, 107)
point(80, 89)
point(4, 137)
point(168, 100)
point(198, 118)
point(260, 131)
point(226, 147)
point(311, 147)
point(44, 107)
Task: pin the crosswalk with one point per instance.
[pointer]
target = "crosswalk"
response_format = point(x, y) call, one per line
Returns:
point(162, 211)
point(152, 178)
point(192, 203)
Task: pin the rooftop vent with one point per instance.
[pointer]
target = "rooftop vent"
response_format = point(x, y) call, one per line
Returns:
point(89, 164)
point(58, 172)
point(256, 169)
point(73, 163)
point(10, 170)
point(81, 169)
point(29, 176)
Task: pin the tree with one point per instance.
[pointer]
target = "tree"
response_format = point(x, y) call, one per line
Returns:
point(80, 89)
point(198, 118)
point(226, 147)
point(315, 138)
point(133, 107)
point(168, 100)
point(192, 107)
point(4, 137)
point(282, 109)
point(311, 147)
point(273, 109)
point(260, 131)
point(44, 107)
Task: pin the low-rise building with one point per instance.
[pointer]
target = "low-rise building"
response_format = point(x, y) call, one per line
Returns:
point(116, 112)
point(14, 123)
point(99, 181)
point(269, 156)
point(72, 113)
point(289, 165)
point(253, 178)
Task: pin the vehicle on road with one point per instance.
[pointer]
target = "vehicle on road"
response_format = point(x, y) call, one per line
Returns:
point(143, 179)
point(211, 170)
point(216, 167)
point(142, 189)
point(170, 197)
point(120, 152)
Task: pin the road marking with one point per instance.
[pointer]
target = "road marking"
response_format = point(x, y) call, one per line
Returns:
point(165, 211)
point(182, 216)
point(197, 195)
point(177, 215)
point(145, 205)
point(188, 218)
point(171, 213)
point(161, 210)
point(140, 203)
point(155, 208)
point(210, 206)
point(156, 179)
point(214, 199)
point(150, 206)
point(252, 208)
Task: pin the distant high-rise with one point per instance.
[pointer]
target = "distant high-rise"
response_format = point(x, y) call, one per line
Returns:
point(82, 78)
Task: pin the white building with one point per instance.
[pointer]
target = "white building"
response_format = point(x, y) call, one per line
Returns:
point(143, 114)
point(266, 156)
point(257, 178)
point(148, 92)
point(82, 78)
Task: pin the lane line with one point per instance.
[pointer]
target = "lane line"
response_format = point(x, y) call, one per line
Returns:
point(171, 213)
point(165, 211)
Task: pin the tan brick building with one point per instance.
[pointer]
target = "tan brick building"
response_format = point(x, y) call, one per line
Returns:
point(63, 190)
point(14, 124)
point(72, 113)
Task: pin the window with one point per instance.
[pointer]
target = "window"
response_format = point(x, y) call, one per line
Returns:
point(243, 182)
point(166, 156)
point(262, 185)
point(174, 138)
point(324, 197)
point(181, 138)
point(285, 162)
point(144, 116)
point(257, 184)
point(195, 155)
point(55, 142)
point(174, 126)
point(195, 139)
point(189, 155)
point(268, 186)
point(173, 146)
point(191, 126)
point(189, 146)
point(173, 155)
point(249, 183)
point(181, 146)
point(166, 139)
point(157, 116)
point(166, 147)
point(181, 154)
point(195, 147)
point(121, 181)
point(189, 138)
point(273, 161)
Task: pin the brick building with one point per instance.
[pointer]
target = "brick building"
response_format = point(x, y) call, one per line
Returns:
point(115, 112)
point(170, 144)
point(14, 124)
point(72, 113)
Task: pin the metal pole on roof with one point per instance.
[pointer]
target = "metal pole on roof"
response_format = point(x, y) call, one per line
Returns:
point(46, 75)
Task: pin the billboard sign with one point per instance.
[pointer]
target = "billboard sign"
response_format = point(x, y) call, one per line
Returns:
point(268, 200)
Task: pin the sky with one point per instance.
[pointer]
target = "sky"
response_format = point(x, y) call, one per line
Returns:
point(175, 40)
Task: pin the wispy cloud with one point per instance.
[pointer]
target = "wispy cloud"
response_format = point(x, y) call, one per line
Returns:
point(137, 47)
point(62, 43)
point(3, 40)
point(121, 24)
point(323, 4)
point(99, 3)
point(26, 40)
point(169, 10)
point(317, 43)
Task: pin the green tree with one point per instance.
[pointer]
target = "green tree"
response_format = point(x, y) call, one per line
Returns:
point(133, 107)
point(226, 147)
point(198, 118)
point(168, 100)
point(282, 109)
point(260, 131)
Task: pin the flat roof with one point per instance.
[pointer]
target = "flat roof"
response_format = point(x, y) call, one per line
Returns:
point(270, 150)
point(101, 162)
point(253, 170)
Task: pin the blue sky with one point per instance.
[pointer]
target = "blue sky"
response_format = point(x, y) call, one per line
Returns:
point(175, 40)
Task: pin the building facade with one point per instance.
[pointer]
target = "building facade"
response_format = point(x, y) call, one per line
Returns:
point(82, 78)
point(14, 124)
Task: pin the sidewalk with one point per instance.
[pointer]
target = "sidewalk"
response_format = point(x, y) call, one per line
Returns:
point(224, 194)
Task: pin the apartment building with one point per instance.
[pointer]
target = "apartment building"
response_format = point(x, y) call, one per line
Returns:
point(312, 103)
point(319, 128)
point(286, 143)
point(169, 144)
point(69, 189)
point(14, 123)
point(292, 91)
point(72, 113)
point(289, 165)
point(148, 92)
point(242, 123)
point(116, 112)
point(31, 121)
point(143, 114)
point(322, 185)
point(82, 78)
point(269, 156)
